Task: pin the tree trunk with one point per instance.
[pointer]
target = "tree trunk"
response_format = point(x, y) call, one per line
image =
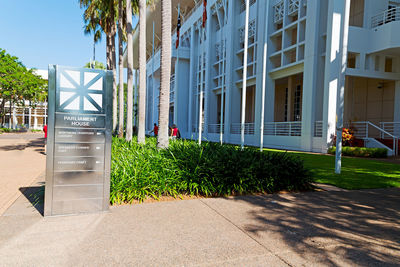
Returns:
point(121, 70)
point(163, 112)
point(129, 53)
point(108, 55)
point(115, 90)
point(142, 71)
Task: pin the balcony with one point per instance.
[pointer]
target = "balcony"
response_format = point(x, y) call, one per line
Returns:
point(248, 128)
point(286, 128)
point(385, 17)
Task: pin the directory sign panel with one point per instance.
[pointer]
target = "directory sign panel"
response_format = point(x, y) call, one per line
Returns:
point(79, 141)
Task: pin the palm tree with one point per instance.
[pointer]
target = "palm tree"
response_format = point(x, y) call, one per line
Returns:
point(92, 27)
point(95, 65)
point(103, 13)
point(121, 38)
point(142, 71)
point(163, 141)
point(129, 53)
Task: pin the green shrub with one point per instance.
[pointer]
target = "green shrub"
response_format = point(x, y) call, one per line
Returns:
point(6, 130)
point(210, 169)
point(363, 152)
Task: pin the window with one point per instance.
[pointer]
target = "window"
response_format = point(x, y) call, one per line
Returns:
point(297, 104)
point(286, 103)
point(357, 13)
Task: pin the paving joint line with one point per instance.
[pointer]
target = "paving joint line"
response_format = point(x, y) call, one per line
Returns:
point(244, 232)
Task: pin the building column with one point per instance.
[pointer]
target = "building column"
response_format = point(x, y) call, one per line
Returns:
point(336, 14)
point(269, 108)
point(14, 118)
point(35, 120)
point(229, 72)
point(176, 88)
point(396, 116)
point(310, 76)
point(262, 37)
point(192, 71)
point(208, 68)
point(30, 118)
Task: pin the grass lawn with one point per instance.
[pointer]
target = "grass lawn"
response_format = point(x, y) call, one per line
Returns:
point(357, 173)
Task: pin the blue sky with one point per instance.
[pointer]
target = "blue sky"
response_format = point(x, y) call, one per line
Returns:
point(47, 32)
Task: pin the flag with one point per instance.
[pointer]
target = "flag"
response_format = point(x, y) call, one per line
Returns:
point(178, 27)
point(204, 13)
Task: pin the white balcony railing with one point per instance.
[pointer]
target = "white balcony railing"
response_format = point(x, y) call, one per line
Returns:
point(248, 128)
point(195, 128)
point(318, 129)
point(215, 128)
point(386, 16)
point(286, 128)
point(392, 128)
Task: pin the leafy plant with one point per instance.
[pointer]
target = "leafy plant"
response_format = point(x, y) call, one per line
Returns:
point(364, 152)
point(143, 171)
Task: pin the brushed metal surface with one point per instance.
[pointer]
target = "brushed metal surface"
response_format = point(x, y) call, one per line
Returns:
point(78, 177)
point(75, 192)
point(80, 135)
point(78, 163)
point(79, 141)
point(77, 206)
point(79, 149)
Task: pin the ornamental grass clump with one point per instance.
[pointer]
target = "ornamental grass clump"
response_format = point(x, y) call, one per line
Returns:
point(210, 169)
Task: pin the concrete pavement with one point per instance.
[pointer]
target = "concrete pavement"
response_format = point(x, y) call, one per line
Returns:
point(343, 228)
point(22, 160)
point(356, 228)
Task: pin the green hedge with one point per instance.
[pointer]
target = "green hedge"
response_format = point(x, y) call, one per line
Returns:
point(363, 152)
point(5, 130)
point(142, 171)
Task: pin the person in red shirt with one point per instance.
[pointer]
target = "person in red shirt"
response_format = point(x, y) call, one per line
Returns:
point(175, 132)
point(155, 130)
point(45, 138)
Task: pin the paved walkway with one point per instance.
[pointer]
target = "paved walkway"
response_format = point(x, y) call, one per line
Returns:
point(345, 228)
point(22, 159)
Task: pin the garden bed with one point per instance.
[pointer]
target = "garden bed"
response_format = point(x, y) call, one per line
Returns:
point(363, 152)
point(140, 172)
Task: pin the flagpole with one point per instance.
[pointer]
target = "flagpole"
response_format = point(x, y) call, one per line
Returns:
point(177, 64)
point(202, 58)
point(152, 76)
point(221, 134)
point(244, 84)
point(341, 86)
point(263, 97)
point(201, 87)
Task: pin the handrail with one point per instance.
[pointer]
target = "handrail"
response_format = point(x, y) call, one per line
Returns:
point(392, 127)
point(389, 15)
point(380, 130)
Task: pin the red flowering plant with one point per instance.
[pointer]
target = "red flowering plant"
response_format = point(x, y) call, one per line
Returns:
point(347, 137)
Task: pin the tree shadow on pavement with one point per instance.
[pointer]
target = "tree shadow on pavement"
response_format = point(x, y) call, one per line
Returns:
point(356, 228)
point(38, 143)
point(35, 195)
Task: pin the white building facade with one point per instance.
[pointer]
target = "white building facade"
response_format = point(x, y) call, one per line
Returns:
point(303, 43)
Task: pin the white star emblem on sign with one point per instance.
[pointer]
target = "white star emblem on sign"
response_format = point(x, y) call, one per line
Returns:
point(81, 91)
